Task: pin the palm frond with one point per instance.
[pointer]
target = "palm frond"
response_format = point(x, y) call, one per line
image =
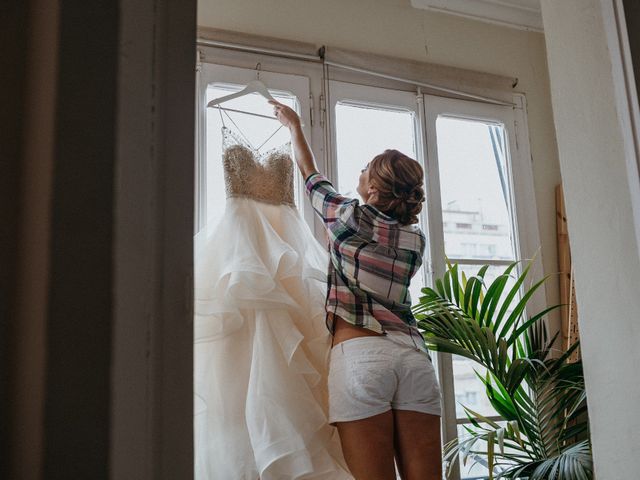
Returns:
point(540, 395)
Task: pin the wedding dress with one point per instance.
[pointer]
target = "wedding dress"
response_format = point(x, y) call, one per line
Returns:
point(261, 346)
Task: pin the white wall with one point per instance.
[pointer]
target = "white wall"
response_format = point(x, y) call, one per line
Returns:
point(393, 27)
point(599, 186)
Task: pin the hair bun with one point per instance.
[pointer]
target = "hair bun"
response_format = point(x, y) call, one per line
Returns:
point(398, 180)
point(404, 195)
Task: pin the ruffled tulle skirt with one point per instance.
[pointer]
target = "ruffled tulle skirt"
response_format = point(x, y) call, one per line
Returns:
point(261, 349)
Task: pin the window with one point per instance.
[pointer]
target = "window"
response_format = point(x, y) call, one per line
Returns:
point(480, 206)
point(472, 173)
point(252, 129)
point(367, 121)
point(219, 80)
point(474, 166)
point(470, 215)
point(362, 132)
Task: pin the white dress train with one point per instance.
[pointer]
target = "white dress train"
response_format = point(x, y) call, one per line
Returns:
point(261, 346)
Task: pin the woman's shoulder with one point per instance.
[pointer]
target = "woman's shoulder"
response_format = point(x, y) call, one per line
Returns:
point(412, 238)
point(371, 224)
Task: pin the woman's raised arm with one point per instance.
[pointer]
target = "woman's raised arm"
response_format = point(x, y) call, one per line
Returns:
point(301, 150)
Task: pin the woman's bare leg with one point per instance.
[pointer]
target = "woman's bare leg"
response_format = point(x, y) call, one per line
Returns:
point(368, 447)
point(418, 445)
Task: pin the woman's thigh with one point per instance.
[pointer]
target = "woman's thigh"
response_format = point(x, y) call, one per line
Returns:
point(367, 445)
point(417, 445)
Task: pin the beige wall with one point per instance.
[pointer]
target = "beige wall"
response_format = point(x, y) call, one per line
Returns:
point(393, 27)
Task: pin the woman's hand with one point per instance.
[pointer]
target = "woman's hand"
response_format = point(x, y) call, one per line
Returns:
point(301, 151)
point(287, 116)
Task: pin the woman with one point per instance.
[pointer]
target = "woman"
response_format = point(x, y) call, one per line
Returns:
point(383, 393)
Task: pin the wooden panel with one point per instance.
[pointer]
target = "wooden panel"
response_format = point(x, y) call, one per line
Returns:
point(569, 310)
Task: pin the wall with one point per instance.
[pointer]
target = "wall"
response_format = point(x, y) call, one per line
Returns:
point(632, 15)
point(13, 65)
point(600, 185)
point(28, 377)
point(79, 308)
point(393, 27)
point(95, 317)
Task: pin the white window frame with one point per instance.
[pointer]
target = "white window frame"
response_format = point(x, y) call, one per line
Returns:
point(523, 213)
point(388, 99)
point(275, 72)
point(215, 74)
point(365, 95)
point(320, 130)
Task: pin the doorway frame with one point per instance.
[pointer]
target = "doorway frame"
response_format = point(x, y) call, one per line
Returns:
point(154, 183)
point(151, 408)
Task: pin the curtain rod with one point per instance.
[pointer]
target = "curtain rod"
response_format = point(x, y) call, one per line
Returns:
point(320, 57)
point(421, 84)
point(252, 49)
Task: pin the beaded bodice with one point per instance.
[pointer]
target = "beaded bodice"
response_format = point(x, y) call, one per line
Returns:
point(266, 177)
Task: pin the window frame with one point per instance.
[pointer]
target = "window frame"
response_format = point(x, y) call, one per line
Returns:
point(362, 95)
point(388, 99)
point(268, 65)
point(523, 214)
point(323, 96)
point(223, 75)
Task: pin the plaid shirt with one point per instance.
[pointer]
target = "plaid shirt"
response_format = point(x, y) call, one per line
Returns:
point(373, 258)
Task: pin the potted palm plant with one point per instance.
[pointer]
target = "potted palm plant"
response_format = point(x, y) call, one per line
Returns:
point(540, 396)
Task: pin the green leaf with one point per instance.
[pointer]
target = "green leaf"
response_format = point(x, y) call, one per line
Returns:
point(476, 294)
point(494, 293)
point(455, 284)
point(507, 301)
point(482, 418)
point(541, 398)
point(467, 295)
point(440, 287)
point(490, 449)
point(517, 311)
point(526, 325)
point(447, 285)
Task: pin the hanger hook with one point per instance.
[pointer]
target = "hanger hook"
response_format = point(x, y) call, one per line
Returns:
point(258, 67)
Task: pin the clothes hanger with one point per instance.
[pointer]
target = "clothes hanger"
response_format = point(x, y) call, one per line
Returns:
point(242, 111)
point(254, 86)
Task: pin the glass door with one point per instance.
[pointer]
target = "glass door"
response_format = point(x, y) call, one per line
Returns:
point(219, 80)
point(365, 122)
point(472, 168)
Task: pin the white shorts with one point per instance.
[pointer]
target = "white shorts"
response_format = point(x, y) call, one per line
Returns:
point(372, 375)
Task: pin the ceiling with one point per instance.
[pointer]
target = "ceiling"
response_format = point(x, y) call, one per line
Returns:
point(521, 14)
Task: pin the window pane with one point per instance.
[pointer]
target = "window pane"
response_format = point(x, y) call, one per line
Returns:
point(474, 188)
point(255, 129)
point(362, 133)
point(469, 390)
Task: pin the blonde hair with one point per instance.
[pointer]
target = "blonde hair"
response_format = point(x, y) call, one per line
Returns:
point(398, 180)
